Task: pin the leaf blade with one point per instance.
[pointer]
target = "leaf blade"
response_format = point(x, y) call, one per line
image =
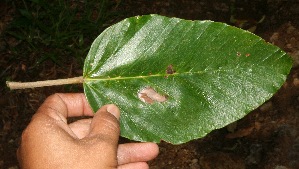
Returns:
point(212, 66)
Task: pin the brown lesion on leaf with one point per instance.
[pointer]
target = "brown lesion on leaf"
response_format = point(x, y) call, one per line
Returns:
point(239, 54)
point(170, 69)
point(149, 95)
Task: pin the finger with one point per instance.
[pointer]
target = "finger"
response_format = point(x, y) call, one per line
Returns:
point(102, 140)
point(57, 107)
point(139, 165)
point(60, 106)
point(81, 127)
point(136, 152)
point(105, 124)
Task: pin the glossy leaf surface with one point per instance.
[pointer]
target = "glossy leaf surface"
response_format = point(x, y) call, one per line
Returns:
point(177, 80)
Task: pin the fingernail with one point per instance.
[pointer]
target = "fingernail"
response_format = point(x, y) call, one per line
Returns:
point(113, 110)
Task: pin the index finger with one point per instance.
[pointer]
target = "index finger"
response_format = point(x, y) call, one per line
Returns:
point(67, 105)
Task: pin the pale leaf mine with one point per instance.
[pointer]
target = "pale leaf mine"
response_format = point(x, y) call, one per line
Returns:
point(149, 95)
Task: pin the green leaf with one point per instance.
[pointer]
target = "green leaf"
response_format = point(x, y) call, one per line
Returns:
point(193, 76)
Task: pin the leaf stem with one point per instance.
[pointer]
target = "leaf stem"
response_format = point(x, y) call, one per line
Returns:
point(24, 85)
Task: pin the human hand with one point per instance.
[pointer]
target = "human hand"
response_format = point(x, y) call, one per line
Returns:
point(49, 142)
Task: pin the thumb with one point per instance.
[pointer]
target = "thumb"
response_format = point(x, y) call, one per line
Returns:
point(105, 124)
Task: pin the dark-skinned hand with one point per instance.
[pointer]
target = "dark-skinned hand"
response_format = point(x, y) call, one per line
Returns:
point(50, 142)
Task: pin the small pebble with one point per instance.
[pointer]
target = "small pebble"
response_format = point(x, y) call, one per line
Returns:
point(195, 160)
point(14, 167)
point(280, 167)
point(296, 82)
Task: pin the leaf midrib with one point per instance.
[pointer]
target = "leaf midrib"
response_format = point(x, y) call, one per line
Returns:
point(107, 78)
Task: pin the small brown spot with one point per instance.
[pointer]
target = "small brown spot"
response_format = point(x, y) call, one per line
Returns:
point(149, 95)
point(239, 54)
point(247, 54)
point(170, 69)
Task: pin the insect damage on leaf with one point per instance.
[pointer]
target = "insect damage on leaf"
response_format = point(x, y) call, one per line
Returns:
point(149, 95)
point(170, 69)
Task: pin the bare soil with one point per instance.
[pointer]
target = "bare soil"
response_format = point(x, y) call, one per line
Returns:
point(267, 138)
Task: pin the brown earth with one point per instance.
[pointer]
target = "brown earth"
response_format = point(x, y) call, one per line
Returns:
point(267, 138)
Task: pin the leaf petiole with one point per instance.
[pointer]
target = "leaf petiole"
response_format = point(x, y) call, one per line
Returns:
point(24, 85)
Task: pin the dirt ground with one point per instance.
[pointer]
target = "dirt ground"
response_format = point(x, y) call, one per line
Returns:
point(267, 138)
